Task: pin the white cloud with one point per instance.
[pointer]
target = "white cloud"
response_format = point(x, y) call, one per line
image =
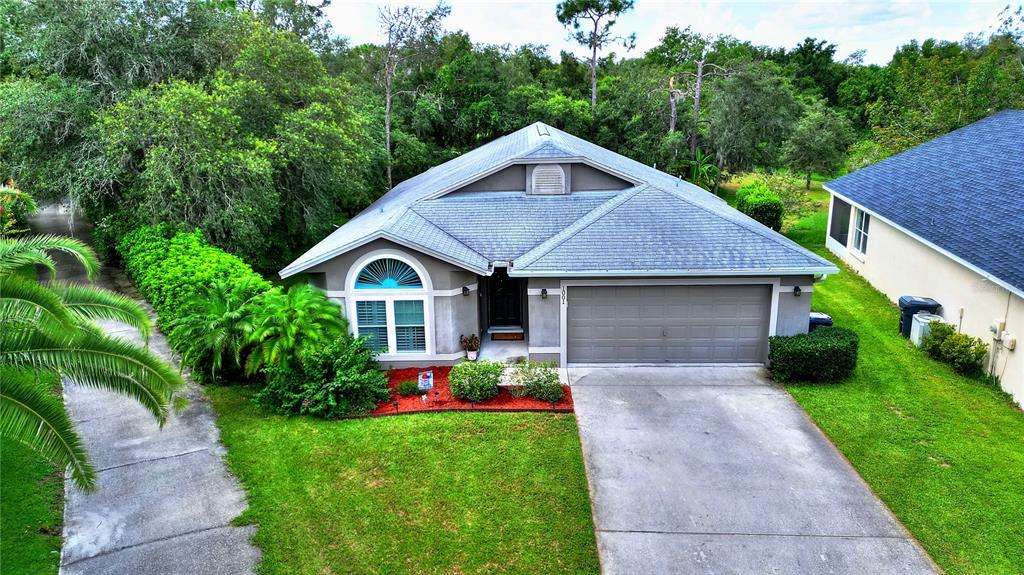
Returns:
point(878, 27)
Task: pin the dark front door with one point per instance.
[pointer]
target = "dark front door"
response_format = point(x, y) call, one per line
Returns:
point(506, 301)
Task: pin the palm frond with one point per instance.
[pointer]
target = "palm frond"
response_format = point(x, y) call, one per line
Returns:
point(95, 360)
point(15, 253)
point(25, 303)
point(34, 416)
point(88, 303)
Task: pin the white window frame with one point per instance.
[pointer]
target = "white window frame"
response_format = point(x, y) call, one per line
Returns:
point(389, 296)
point(861, 231)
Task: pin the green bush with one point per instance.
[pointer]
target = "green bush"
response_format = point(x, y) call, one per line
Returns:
point(758, 202)
point(171, 268)
point(338, 380)
point(938, 333)
point(825, 354)
point(964, 353)
point(408, 387)
point(538, 380)
point(475, 381)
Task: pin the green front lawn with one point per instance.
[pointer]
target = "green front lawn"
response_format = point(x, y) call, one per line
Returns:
point(435, 493)
point(945, 452)
point(31, 495)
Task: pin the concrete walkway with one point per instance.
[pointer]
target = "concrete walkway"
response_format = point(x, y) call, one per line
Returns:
point(718, 470)
point(164, 500)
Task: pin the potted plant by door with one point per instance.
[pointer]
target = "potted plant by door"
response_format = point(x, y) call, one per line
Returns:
point(471, 344)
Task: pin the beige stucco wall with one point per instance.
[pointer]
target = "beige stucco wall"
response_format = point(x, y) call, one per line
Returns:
point(898, 264)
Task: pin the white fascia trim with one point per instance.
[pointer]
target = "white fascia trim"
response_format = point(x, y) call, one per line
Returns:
point(335, 252)
point(678, 273)
point(600, 365)
point(954, 257)
point(454, 291)
point(537, 291)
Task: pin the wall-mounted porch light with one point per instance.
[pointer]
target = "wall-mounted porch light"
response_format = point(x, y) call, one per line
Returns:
point(465, 290)
point(544, 293)
point(797, 291)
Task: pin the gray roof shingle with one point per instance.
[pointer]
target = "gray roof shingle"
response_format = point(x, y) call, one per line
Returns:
point(692, 230)
point(961, 192)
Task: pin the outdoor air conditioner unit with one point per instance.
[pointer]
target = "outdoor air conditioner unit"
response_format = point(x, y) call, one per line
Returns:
point(921, 326)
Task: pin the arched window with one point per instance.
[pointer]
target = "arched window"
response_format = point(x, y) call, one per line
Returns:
point(387, 273)
point(390, 305)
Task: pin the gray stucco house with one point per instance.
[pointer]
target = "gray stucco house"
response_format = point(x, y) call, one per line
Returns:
point(581, 254)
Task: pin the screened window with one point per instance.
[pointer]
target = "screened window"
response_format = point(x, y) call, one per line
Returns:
point(372, 321)
point(410, 333)
point(860, 231)
point(839, 229)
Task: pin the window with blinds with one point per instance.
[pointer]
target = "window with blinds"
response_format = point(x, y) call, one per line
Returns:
point(410, 332)
point(372, 321)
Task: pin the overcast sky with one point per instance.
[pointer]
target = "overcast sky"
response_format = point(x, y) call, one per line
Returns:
point(878, 27)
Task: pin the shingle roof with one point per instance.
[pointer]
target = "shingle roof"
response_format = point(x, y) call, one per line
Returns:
point(961, 192)
point(474, 230)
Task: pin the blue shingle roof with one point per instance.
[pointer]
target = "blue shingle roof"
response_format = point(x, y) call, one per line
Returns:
point(475, 229)
point(962, 192)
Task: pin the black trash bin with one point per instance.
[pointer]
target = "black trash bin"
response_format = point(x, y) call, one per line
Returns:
point(911, 306)
point(818, 319)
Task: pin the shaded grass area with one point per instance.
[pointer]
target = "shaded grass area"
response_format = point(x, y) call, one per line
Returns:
point(31, 499)
point(432, 493)
point(945, 452)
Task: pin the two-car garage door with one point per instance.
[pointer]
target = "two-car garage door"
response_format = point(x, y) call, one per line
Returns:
point(668, 323)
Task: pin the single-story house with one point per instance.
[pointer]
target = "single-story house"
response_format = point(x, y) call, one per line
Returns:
point(581, 254)
point(945, 220)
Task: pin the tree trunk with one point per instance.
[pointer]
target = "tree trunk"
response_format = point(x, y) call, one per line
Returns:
point(672, 97)
point(808, 181)
point(593, 78)
point(696, 107)
point(387, 128)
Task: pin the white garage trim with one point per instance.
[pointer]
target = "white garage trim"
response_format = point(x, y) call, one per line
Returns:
point(563, 326)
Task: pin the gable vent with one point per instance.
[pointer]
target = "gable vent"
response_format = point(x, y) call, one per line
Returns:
point(548, 179)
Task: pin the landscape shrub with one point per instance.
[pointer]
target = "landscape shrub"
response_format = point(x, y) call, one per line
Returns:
point(938, 333)
point(826, 354)
point(964, 353)
point(408, 387)
point(758, 202)
point(538, 380)
point(475, 381)
point(340, 379)
point(171, 268)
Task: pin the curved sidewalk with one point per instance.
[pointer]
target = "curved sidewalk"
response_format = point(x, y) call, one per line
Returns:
point(164, 500)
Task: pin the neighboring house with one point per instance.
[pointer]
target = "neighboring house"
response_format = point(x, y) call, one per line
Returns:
point(584, 255)
point(945, 220)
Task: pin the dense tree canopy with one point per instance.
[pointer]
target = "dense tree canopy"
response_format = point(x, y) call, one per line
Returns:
point(259, 124)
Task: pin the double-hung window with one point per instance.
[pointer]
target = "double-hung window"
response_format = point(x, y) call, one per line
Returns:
point(390, 307)
point(860, 231)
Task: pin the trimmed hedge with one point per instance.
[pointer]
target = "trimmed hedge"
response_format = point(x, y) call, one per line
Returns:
point(171, 267)
point(827, 354)
point(760, 203)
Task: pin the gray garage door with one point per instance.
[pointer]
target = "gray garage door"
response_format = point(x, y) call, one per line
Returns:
point(668, 324)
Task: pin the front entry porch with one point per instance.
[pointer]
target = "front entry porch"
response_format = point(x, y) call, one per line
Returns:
point(503, 325)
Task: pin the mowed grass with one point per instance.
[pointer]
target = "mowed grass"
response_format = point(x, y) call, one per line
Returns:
point(945, 452)
point(435, 493)
point(31, 495)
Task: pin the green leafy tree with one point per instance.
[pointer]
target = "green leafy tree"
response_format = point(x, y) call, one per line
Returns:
point(591, 22)
point(818, 142)
point(15, 208)
point(47, 331)
point(702, 169)
point(751, 117)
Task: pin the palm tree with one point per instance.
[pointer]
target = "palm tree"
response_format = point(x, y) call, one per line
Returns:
point(289, 323)
point(47, 332)
point(218, 328)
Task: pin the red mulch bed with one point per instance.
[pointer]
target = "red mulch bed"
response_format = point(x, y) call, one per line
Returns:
point(440, 398)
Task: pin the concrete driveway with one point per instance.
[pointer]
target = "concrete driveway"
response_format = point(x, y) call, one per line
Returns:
point(717, 470)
